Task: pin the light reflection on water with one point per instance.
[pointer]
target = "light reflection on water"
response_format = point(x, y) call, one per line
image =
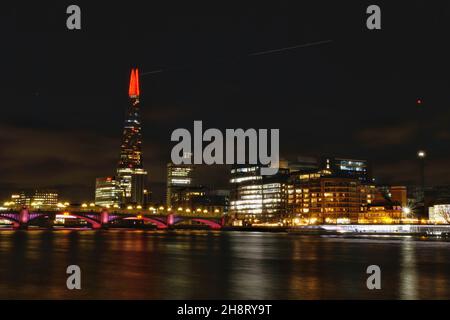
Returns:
point(137, 264)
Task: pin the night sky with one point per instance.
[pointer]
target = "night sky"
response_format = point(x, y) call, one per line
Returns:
point(64, 93)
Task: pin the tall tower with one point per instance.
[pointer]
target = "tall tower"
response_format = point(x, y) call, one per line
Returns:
point(130, 171)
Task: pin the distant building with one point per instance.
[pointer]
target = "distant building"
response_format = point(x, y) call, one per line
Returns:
point(108, 192)
point(21, 199)
point(399, 194)
point(199, 199)
point(321, 197)
point(256, 198)
point(345, 167)
point(37, 198)
point(179, 177)
point(384, 205)
point(187, 197)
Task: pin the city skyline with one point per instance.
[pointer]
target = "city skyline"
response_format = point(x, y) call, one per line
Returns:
point(226, 160)
point(64, 131)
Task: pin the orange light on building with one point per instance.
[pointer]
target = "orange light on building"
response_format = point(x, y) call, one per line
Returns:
point(136, 80)
point(133, 90)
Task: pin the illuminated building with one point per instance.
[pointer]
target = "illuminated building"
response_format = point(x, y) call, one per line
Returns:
point(198, 199)
point(345, 167)
point(319, 196)
point(108, 192)
point(131, 174)
point(45, 198)
point(179, 177)
point(39, 198)
point(186, 197)
point(399, 194)
point(381, 212)
point(256, 198)
point(20, 199)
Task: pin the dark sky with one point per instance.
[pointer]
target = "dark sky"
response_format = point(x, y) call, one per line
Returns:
point(64, 93)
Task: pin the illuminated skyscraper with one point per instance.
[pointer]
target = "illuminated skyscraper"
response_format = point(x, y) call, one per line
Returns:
point(131, 174)
point(179, 177)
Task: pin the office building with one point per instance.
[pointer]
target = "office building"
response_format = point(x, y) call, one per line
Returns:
point(36, 198)
point(321, 197)
point(179, 177)
point(108, 192)
point(258, 199)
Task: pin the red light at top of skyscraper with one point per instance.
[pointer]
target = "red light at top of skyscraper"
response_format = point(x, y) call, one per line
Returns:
point(419, 101)
point(133, 90)
point(137, 81)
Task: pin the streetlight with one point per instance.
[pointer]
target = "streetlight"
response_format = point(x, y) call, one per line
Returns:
point(421, 155)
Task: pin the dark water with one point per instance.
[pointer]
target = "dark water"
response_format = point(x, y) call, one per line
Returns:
point(134, 264)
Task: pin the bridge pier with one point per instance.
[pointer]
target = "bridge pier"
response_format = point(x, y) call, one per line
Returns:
point(104, 219)
point(20, 226)
point(170, 219)
point(24, 218)
point(50, 221)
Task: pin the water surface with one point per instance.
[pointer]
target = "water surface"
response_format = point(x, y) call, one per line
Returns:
point(137, 264)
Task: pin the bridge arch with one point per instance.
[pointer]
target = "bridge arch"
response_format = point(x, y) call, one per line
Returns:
point(95, 224)
point(10, 217)
point(159, 224)
point(210, 223)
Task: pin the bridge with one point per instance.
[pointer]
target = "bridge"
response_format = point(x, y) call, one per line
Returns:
point(99, 218)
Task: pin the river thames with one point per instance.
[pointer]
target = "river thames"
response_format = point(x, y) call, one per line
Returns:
point(146, 264)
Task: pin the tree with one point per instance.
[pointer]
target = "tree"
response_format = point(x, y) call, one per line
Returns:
point(443, 211)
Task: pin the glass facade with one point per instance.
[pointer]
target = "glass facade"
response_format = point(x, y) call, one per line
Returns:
point(131, 175)
point(179, 177)
point(108, 192)
point(256, 198)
